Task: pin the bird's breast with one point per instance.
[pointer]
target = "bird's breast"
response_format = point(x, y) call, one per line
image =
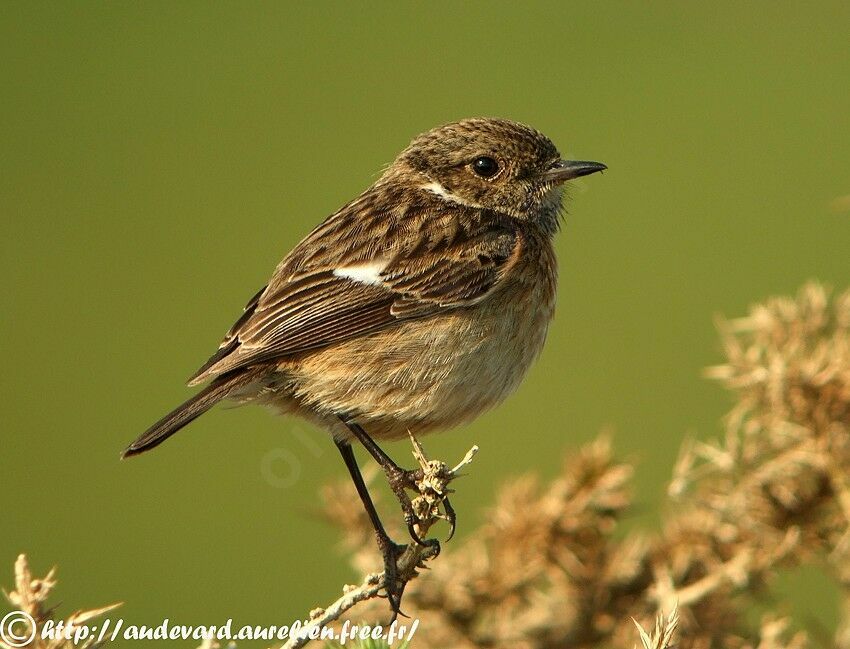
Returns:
point(435, 372)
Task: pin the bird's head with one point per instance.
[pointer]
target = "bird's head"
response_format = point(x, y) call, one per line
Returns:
point(492, 164)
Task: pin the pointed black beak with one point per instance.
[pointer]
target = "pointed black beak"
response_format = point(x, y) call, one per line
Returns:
point(565, 170)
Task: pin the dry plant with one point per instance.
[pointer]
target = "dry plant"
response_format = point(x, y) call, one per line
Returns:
point(33, 616)
point(552, 568)
point(29, 597)
point(433, 486)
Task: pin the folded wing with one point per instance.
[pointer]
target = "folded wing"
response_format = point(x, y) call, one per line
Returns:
point(362, 271)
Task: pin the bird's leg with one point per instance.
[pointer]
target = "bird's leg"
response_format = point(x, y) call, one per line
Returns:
point(399, 480)
point(390, 550)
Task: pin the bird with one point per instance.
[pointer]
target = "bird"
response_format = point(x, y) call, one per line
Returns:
point(415, 307)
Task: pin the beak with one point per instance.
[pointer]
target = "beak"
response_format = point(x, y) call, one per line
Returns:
point(565, 170)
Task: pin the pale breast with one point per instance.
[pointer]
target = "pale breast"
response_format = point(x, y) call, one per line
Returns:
point(432, 373)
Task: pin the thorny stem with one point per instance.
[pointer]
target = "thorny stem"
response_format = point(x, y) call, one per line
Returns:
point(433, 491)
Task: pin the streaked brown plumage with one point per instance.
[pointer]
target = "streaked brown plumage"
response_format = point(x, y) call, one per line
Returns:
point(417, 306)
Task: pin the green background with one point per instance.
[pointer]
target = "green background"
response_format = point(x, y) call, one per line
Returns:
point(159, 158)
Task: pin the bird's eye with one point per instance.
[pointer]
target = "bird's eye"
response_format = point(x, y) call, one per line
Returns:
point(485, 166)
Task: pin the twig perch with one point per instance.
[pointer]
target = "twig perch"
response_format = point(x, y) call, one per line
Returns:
point(428, 505)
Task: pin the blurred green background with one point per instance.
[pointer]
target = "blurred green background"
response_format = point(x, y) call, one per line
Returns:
point(158, 159)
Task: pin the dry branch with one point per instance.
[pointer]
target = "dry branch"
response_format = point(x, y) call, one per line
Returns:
point(433, 489)
point(553, 569)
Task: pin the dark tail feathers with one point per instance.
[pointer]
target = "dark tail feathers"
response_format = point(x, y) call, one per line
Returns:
point(187, 412)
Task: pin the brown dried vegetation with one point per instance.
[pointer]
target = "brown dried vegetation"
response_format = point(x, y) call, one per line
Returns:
point(551, 568)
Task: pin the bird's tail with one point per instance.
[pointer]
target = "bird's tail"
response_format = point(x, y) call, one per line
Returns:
point(189, 411)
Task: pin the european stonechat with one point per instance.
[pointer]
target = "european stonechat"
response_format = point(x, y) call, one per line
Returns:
point(415, 307)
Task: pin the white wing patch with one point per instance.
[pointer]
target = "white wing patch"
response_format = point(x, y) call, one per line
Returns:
point(366, 273)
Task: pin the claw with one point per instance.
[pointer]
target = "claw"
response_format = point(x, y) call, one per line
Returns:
point(398, 481)
point(395, 606)
point(451, 517)
point(394, 588)
point(411, 529)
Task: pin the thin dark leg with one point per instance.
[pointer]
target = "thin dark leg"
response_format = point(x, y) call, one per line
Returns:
point(384, 460)
point(398, 478)
point(362, 490)
point(389, 549)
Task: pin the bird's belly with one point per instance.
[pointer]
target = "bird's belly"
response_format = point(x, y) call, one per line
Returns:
point(420, 375)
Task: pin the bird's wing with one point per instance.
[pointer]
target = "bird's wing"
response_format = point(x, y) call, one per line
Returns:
point(362, 271)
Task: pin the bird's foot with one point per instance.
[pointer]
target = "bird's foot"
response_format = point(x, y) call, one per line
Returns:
point(400, 480)
point(393, 583)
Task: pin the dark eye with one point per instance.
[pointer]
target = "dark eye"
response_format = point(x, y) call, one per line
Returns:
point(485, 166)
